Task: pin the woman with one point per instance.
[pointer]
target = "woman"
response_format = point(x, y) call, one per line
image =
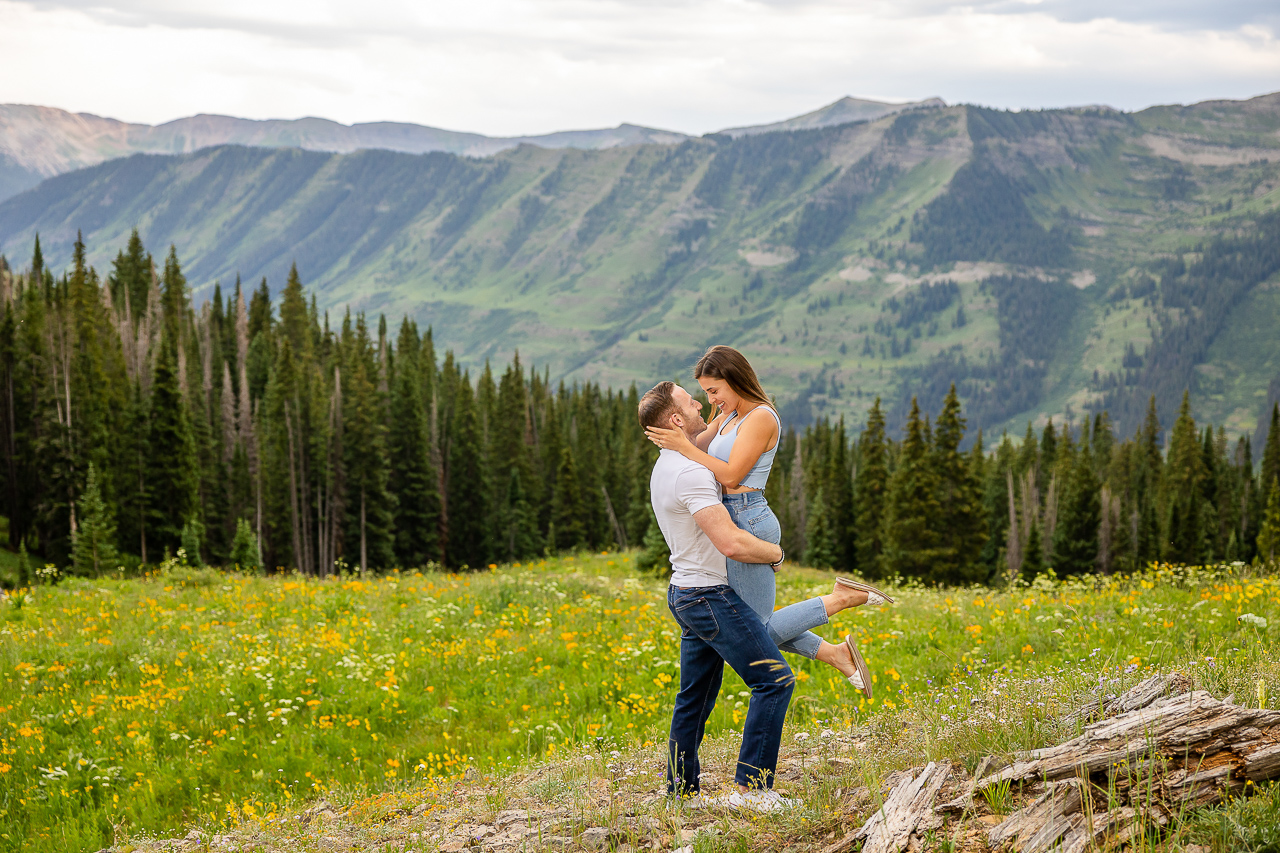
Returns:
point(738, 446)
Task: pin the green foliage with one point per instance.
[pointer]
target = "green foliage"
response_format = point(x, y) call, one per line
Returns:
point(192, 539)
point(1269, 535)
point(579, 245)
point(911, 539)
point(94, 548)
point(244, 548)
point(654, 556)
point(870, 491)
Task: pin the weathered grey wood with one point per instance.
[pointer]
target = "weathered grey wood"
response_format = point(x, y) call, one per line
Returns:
point(1141, 695)
point(1143, 766)
point(908, 810)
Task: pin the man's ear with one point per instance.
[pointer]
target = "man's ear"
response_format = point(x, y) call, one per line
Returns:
point(675, 422)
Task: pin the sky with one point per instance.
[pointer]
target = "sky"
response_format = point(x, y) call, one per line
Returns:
point(513, 67)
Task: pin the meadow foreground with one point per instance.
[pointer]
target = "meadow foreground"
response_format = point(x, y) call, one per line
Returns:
point(233, 705)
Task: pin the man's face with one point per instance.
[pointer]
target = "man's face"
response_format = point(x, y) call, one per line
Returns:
point(688, 416)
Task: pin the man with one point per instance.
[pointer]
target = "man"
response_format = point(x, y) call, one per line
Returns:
point(717, 627)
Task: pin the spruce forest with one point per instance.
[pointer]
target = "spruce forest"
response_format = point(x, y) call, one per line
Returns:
point(246, 433)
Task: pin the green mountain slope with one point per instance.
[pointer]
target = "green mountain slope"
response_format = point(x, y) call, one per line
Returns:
point(1032, 257)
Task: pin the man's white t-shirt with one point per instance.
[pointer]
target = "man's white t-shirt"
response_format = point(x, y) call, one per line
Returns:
point(678, 488)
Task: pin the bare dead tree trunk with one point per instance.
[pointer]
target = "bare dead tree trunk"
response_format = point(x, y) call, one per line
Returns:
point(1050, 515)
point(1013, 550)
point(618, 531)
point(1110, 517)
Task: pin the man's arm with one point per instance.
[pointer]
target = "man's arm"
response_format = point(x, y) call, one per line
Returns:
point(734, 543)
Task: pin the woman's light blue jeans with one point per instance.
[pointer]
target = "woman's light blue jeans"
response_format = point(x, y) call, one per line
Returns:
point(754, 582)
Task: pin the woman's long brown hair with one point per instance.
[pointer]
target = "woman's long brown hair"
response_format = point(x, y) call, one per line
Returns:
point(731, 366)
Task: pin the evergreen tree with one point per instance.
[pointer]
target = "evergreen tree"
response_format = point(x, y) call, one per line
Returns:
point(173, 467)
point(1269, 533)
point(414, 482)
point(911, 541)
point(192, 542)
point(1271, 451)
point(654, 556)
point(870, 494)
point(566, 503)
point(244, 548)
point(1075, 538)
point(94, 550)
point(468, 486)
point(1033, 559)
point(838, 496)
point(369, 529)
point(960, 525)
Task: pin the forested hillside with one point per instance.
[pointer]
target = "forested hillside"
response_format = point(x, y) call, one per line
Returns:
point(264, 433)
point(1085, 258)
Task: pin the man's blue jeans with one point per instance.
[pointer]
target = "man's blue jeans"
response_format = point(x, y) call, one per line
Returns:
point(717, 627)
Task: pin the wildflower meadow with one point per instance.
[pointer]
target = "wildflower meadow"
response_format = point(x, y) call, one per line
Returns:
point(196, 697)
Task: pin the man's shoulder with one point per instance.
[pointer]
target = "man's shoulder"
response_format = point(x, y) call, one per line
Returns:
point(673, 466)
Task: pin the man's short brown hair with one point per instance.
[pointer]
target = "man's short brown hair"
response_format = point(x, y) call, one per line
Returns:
point(658, 404)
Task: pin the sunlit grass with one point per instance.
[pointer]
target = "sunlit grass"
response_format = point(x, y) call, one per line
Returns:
point(147, 704)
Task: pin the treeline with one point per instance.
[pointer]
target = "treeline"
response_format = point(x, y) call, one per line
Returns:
point(1073, 498)
point(133, 424)
point(266, 434)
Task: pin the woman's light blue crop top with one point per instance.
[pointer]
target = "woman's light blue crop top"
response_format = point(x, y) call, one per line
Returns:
point(723, 443)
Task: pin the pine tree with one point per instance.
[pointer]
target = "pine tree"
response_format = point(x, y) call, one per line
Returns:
point(1075, 538)
point(911, 542)
point(468, 486)
point(192, 542)
point(960, 526)
point(369, 534)
point(566, 505)
point(1269, 533)
point(244, 548)
point(820, 545)
point(837, 490)
point(414, 482)
point(870, 494)
point(1271, 452)
point(94, 550)
point(654, 556)
point(173, 469)
point(1033, 559)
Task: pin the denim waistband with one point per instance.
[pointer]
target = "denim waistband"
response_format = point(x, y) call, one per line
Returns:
point(744, 499)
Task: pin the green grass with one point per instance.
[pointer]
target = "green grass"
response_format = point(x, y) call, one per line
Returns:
point(195, 697)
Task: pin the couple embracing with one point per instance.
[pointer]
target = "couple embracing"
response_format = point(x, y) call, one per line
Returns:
point(707, 490)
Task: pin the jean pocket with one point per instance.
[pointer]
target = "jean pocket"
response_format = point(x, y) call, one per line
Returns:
point(763, 524)
point(698, 617)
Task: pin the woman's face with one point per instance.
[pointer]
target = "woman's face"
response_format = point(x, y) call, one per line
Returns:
point(719, 394)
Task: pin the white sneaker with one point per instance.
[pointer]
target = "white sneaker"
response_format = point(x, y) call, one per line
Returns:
point(761, 801)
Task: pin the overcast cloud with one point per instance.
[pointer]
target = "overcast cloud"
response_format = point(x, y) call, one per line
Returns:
point(508, 67)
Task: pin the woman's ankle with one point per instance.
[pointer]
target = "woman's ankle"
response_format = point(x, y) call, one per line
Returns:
point(843, 598)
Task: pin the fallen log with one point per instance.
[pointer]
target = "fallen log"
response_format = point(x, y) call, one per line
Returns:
point(1143, 766)
point(907, 812)
point(1140, 695)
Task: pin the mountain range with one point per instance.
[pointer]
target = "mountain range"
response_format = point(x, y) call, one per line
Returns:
point(1051, 262)
point(40, 142)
